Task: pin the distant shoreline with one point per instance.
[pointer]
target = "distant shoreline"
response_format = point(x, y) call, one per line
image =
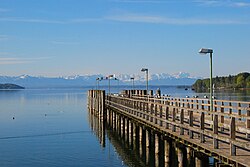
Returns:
point(8, 86)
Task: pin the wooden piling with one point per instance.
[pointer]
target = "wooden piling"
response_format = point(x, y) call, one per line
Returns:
point(167, 153)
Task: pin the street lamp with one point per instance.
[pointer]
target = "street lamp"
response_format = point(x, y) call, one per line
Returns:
point(117, 84)
point(146, 70)
point(110, 76)
point(210, 51)
point(133, 82)
point(97, 83)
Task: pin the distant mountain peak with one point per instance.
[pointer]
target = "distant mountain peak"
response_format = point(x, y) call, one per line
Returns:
point(71, 77)
point(24, 76)
point(180, 78)
point(182, 75)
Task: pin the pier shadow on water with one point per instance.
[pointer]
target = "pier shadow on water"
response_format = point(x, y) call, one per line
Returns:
point(141, 146)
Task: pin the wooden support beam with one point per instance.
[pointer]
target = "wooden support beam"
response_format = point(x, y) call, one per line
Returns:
point(239, 109)
point(248, 122)
point(191, 118)
point(230, 107)
point(202, 104)
point(173, 119)
point(188, 104)
point(232, 136)
point(160, 114)
point(147, 111)
point(202, 127)
point(215, 106)
point(144, 109)
point(182, 121)
point(156, 113)
point(197, 104)
point(215, 130)
point(222, 119)
point(167, 116)
point(151, 112)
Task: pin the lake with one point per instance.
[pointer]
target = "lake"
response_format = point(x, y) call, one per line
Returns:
point(52, 127)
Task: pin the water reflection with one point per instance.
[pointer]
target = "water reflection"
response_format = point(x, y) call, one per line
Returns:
point(239, 95)
point(138, 146)
point(53, 125)
point(233, 95)
point(106, 134)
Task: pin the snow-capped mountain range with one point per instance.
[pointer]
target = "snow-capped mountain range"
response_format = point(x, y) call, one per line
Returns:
point(27, 81)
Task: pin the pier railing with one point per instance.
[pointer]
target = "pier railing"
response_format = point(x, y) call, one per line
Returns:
point(224, 132)
point(225, 110)
point(227, 124)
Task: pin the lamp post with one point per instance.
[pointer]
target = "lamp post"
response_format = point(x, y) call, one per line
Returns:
point(97, 83)
point(110, 76)
point(117, 85)
point(210, 51)
point(100, 79)
point(146, 70)
point(133, 82)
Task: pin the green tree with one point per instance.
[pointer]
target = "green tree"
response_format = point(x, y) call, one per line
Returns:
point(248, 82)
point(198, 86)
point(207, 83)
point(240, 82)
point(227, 82)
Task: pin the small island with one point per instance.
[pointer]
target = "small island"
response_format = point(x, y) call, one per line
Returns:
point(10, 86)
point(239, 81)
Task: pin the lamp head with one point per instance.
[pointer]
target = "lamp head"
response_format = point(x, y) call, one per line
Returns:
point(132, 78)
point(144, 69)
point(205, 51)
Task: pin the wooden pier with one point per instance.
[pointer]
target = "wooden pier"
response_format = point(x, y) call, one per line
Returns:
point(147, 120)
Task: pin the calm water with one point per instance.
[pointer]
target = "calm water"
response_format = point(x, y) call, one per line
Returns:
point(52, 127)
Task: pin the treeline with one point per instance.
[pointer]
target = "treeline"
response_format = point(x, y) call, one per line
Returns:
point(242, 80)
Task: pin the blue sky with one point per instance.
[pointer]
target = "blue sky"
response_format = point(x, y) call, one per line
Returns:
point(69, 37)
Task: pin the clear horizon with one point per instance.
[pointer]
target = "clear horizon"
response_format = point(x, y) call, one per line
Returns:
point(62, 38)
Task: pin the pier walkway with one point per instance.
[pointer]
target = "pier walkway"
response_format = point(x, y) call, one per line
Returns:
point(223, 134)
